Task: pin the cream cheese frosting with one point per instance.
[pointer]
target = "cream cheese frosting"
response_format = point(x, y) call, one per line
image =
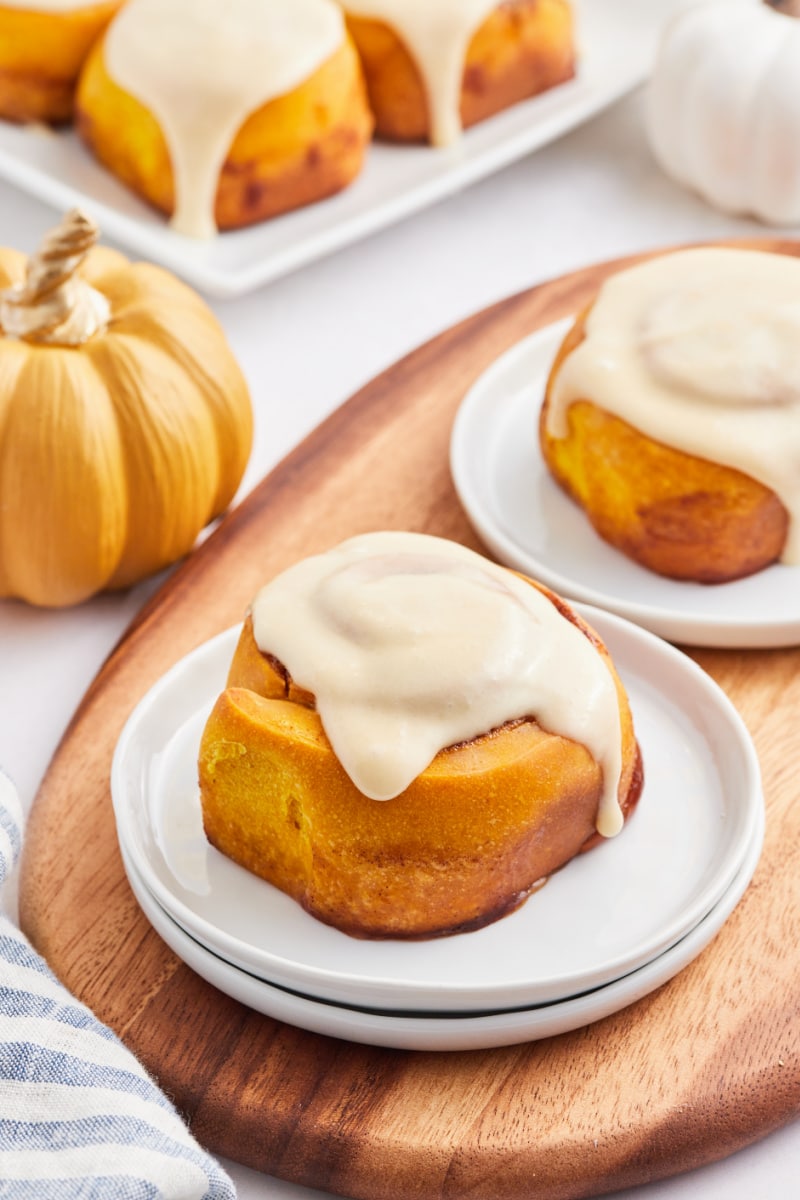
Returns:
point(202, 67)
point(412, 643)
point(698, 350)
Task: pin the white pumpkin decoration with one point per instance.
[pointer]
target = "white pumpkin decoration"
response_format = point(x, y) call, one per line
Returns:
point(724, 106)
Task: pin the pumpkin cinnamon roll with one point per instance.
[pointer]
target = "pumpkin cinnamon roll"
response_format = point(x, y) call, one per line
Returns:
point(435, 67)
point(672, 413)
point(412, 738)
point(222, 115)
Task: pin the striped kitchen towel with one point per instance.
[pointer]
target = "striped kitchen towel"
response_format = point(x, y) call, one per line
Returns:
point(80, 1119)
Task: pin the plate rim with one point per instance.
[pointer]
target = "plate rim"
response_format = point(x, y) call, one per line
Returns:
point(458, 1031)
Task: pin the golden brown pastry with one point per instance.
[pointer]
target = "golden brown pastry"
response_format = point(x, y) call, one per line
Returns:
point(42, 49)
point(225, 131)
point(501, 54)
point(484, 821)
point(670, 413)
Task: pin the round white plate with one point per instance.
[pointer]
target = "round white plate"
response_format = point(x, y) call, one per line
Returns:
point(429, 1032)
point(528, 522)
point(606, 913)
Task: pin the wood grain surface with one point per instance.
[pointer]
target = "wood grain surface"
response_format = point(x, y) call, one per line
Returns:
point(706, 1064)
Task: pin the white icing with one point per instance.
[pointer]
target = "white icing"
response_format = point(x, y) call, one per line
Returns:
point(412, 643)
point(203, 66)
point(437, 34)
point(698, 350)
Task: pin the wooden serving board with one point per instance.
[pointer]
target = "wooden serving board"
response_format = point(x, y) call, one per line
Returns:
point(708, 1063)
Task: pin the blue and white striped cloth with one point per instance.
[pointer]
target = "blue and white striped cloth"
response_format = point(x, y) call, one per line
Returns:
point(79, 1117)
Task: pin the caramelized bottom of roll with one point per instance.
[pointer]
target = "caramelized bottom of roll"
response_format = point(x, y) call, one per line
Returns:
point(680, 516)
point(467, 842)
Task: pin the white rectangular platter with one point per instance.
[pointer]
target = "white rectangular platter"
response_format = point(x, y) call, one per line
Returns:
point(617, 44)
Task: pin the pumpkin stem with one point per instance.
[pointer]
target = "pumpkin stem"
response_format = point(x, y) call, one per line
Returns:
point(54, 305)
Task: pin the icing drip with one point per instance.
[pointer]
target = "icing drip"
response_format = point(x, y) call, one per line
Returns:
point(437, 36)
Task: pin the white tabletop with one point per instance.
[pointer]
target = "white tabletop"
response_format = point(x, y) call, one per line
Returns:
point(309, 341)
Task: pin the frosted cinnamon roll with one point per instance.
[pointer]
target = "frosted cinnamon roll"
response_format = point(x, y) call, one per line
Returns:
point(222, 115)
point(412, 738)
point(435, 67)
point(672, 413)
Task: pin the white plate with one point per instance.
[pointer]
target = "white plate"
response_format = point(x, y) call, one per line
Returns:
point(606, 913)
point(617, 38)
point(528, 522)
point(428, 1032)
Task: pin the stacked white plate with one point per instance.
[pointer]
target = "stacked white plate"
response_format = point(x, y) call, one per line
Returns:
point(607, 929)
